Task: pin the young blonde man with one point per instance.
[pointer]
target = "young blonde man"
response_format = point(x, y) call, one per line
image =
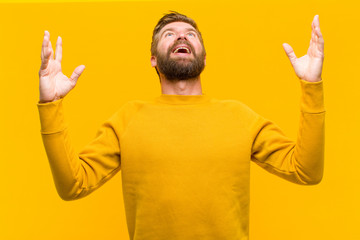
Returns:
point(185, 156)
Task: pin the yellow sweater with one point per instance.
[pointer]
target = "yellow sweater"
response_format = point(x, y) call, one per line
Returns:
point(185, 161)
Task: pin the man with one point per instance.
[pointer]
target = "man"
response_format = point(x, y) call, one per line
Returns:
point(185, 156)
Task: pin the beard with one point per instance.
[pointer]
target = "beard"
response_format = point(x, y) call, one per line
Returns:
point(180, 68)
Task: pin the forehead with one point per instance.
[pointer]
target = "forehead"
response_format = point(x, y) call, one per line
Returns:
point(177, 26)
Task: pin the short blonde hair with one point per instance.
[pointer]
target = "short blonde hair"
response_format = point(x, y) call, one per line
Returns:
point(169, 18)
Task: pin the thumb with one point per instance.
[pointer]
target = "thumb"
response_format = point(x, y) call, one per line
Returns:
point(290, 53)
point(76, 74)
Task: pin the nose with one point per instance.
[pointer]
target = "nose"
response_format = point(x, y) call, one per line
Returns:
point(181, 36)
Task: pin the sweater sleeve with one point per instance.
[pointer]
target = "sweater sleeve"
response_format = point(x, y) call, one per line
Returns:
point(302, 161)
point(77, 175)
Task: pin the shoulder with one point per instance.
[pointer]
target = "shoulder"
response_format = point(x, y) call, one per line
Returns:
point(238, 110)
point(129, 108)
point(234, 105)
point(132, 105)
point(124, 115)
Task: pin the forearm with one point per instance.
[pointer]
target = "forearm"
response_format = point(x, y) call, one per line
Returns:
point(301, 161)
point(309, 151)
point(64, 162)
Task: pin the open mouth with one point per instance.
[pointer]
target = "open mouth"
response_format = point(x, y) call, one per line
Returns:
point(182, 49)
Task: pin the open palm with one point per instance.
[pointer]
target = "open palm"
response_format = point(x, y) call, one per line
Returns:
point(309, 66)
point(53, 83)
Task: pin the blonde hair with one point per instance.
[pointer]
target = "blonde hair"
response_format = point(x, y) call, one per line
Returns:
point(169, 18)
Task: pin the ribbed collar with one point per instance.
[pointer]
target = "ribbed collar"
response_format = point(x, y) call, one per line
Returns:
point(183, 99)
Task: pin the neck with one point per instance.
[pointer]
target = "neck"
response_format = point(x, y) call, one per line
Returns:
point(181, 87)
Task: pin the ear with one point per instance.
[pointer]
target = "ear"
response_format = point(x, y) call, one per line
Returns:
point(153, 61)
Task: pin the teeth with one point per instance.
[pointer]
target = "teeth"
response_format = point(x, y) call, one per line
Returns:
point(177, 50)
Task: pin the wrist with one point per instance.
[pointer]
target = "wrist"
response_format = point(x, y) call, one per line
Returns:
point(312, 97)
point(44, 100)
point(315, 79)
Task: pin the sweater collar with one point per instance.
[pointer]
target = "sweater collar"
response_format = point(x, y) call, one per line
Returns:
point(183, 99)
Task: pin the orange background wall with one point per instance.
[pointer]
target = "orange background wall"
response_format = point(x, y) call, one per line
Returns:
point(245, 61)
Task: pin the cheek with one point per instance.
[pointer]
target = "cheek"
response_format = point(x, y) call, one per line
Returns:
point(197, 45)
point(198, 48)
point(164, 46)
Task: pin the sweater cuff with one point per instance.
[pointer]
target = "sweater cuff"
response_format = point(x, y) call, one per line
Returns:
point(51, 117)
point(312, 97)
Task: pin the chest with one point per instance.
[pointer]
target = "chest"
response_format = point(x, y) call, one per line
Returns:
point(186, 138)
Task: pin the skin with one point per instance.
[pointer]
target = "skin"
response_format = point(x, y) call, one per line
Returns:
point(54, 85)
point(309, 66)
point(167, 36)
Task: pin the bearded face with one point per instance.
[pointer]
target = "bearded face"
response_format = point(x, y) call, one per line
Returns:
point(178, 64)
point(180, 52)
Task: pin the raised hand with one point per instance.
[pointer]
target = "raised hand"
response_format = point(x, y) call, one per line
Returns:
point(309, 66)
point(53, 84)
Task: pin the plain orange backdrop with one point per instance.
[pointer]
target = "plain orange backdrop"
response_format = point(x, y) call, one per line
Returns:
point(245, 61)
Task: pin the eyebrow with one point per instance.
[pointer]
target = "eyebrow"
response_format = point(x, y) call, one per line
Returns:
point(173, 29)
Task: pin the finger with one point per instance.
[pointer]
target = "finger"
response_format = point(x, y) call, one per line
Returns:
point(320, 40)
point(45, 50)
point(290, 53)
point(44, 53)
point(76, 74)
point(58, 53)
point(313, 24)
point(317, 39)
point(318, 32)
point(51, 50)
point(314, 37)
point(316, 26)
point(316, 21)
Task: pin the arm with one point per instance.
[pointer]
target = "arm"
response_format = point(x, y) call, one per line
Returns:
point(75, 175)
point(301, 162)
